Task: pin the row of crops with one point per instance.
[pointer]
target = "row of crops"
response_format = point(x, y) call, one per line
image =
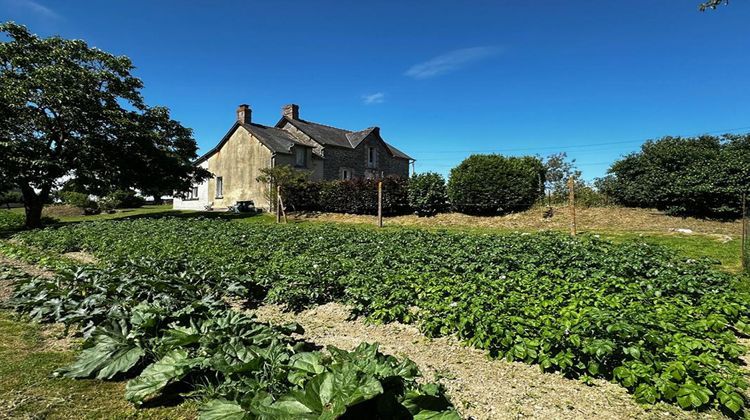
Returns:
point(169, 329)
point(664, 327)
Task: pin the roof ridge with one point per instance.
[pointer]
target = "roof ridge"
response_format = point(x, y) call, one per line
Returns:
point(325, 125)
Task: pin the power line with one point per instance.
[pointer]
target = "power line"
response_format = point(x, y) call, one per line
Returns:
point(726, 130)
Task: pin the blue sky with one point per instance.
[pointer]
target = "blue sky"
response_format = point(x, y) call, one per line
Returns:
point(443, 79)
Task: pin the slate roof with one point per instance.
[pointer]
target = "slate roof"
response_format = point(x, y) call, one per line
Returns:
point(332, 136)
point(281, 141)
point(276, 139)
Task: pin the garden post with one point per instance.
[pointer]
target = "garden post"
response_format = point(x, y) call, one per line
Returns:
point(743, 246)
point(278, 204)
point(572, 205)
point(380, 203)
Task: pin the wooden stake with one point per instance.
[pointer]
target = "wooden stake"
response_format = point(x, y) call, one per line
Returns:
point(572, 205)
point(380, 204)
point(743, 247)
point(283, 212)
point(278, 204)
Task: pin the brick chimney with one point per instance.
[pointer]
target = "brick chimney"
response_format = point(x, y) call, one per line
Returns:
point(244, 114)
point(290, 111)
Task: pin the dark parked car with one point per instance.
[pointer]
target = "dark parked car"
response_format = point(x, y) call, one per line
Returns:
point(244, 207)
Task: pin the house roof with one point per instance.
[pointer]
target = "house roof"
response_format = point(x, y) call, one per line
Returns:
point(338, 137)
point(275, 139)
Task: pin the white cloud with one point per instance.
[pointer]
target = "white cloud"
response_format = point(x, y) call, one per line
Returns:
point(450, 61)
point(35, 7)
point(375, 98)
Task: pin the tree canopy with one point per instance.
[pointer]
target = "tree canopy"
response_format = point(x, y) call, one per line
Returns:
point(71, 110)
point(700, 176)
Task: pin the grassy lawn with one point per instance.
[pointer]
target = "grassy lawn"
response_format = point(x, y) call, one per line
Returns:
point(29, 355)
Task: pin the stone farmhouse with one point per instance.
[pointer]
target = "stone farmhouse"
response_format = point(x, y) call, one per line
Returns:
point(326, 152)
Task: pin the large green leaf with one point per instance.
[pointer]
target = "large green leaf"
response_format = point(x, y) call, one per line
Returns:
point(106, 358)
point(223, 410)
point(172, 367)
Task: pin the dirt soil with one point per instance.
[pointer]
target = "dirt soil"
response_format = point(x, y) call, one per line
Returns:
point(480, 388)
point(599, 219)
point(81, 257)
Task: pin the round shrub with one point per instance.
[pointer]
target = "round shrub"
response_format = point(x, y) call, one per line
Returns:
point(495, 184)
point(427, 194)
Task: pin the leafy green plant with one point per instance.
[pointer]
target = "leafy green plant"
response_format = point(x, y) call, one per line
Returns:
point(496, 184)
point(427, 194)
point(664, 327)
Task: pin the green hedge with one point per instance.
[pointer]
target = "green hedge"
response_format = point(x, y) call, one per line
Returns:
point(700, 176)
point(427, 194)
point(360, 196)
point(496, 184)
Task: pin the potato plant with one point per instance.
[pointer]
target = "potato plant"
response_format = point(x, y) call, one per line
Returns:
point(662, 326)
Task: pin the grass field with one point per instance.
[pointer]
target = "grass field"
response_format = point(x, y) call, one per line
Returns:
point(30, 352)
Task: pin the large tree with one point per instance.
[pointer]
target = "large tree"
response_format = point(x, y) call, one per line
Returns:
point(71, 110)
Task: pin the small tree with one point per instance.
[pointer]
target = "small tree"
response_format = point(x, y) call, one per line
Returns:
point(67, 109)
point(282, 175)
point(427, 194)
point(495, 184)
point(558, 171)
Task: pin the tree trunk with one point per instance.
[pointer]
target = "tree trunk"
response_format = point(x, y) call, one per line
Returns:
point(34, 215)
point(33, 203)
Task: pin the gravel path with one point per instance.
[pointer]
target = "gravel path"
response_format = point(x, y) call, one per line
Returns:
point(480, 388)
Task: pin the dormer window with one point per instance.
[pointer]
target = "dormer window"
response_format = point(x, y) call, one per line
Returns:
point(300, 157)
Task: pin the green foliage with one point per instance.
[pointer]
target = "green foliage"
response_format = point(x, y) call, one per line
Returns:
point(495, 184)
point(360, 196)
point(10, 197)
point(77, 199)
point(124, 199)
point(167, 321)
point(10, 220)
point(702, 176)
point(69, 108)
point(662, 326)
point(427, 194)
point(294, 184)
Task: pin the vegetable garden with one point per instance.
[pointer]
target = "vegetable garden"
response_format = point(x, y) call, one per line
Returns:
point(664, 327)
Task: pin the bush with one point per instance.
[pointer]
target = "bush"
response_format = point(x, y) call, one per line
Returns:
point(301, 196)
point(10, 197)
point(427, 194)
point(495, 184)
point(77, 199)
point(360, 196)
point(124, 199)
point(702, 176)
point(586, 196)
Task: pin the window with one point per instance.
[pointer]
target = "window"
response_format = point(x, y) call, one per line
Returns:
point(192, 194)
point(345, 173)
point(300, 156)
point(371, 157)
point(219, 187)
